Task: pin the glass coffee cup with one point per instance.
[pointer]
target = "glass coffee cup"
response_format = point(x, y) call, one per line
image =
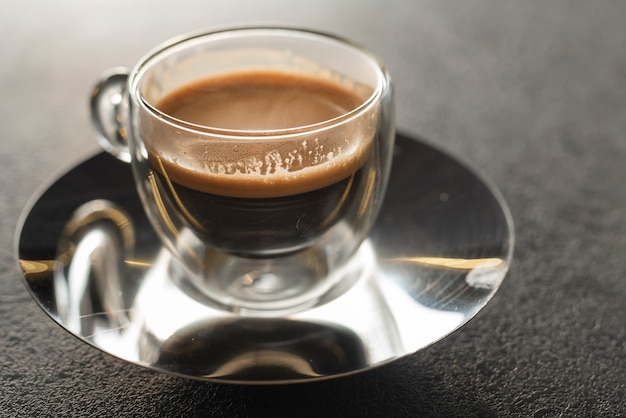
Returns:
point(261, 156)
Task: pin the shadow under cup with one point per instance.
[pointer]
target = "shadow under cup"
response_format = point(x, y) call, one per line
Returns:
point(262, 220)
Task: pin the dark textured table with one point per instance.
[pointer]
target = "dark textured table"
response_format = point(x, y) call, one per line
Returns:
point(530, 93)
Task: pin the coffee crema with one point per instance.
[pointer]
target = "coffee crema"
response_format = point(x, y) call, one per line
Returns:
point(261, 163)
point(259, 101)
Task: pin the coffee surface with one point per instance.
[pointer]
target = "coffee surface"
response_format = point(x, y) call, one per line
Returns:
point(259, 101)
point(257, 164)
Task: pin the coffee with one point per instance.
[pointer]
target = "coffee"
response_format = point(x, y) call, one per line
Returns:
point(254, 227)
point(259, 101)
point(256, 197)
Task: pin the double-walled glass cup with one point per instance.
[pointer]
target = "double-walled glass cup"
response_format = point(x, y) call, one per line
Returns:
point(257, 220)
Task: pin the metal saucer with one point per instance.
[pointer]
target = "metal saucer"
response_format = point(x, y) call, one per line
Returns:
point(437, 254)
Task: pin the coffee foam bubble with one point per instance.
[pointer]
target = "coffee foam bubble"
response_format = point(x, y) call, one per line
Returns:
point(260, 169)
point(276, 161)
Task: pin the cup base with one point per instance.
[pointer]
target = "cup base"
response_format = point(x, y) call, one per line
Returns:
point(269, 287)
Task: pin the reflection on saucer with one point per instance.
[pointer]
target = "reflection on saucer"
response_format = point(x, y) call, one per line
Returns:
point(248, 349)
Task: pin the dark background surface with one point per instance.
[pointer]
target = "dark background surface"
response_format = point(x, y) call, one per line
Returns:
point(530, 93)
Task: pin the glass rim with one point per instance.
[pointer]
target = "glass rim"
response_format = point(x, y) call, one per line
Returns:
point(144, 65)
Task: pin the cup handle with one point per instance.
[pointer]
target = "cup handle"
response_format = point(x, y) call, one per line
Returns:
point(108, 106)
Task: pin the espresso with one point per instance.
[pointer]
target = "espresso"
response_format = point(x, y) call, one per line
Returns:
point(261, 227)
point(256, 196)
point(259, 101)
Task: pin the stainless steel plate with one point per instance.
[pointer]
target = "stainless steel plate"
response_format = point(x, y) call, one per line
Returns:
point(438, 253)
